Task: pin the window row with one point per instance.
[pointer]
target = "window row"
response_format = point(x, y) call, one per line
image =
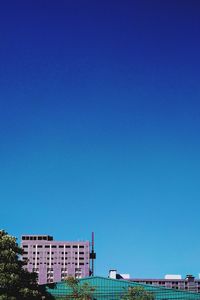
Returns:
point(52, 253)
point(56, 246)
point(52, 258)
point(55, 263)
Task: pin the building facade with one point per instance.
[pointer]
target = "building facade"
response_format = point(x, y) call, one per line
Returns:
point(53, 260)
point(190, 283)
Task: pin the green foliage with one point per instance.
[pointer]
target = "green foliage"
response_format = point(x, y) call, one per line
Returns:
point(15, 282)
point(80, 291)
point(138, 293)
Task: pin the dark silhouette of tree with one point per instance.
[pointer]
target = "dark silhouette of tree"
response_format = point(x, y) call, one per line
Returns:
point(80, 291)
point(138, 293)
point(15, 282)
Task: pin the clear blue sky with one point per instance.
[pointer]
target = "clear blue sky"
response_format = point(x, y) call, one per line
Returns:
point(100, 128)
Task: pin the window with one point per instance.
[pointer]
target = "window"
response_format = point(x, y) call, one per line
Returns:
point(61, 246)
point(77, 269)
point(75, 246)
point(53, 246)
point(47, 246)
point(35, 269)
point(40, 246)
point(81, 246)
point(67, 246)
point(25, 246)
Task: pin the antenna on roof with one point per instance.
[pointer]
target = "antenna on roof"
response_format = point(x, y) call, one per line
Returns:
point(92, 255)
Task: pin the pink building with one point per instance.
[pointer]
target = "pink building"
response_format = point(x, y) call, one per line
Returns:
point(55, 260)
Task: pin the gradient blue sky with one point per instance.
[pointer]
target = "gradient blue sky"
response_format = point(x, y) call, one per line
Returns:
point(99, 128)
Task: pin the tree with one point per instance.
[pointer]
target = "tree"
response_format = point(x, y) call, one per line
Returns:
point(15, 282)
point(138, 293)
point(80, 291)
